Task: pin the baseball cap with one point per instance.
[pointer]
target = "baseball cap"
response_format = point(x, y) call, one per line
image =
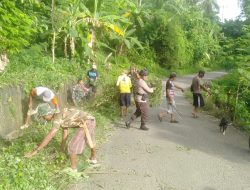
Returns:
point(47, 96)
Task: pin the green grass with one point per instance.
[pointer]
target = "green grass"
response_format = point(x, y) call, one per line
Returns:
point(44, 170)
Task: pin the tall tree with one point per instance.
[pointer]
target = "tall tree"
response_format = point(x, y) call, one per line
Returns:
point(246, 8)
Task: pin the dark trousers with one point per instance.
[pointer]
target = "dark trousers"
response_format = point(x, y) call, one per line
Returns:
point(141, 110)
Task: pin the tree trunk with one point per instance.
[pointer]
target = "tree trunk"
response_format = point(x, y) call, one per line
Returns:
point(72, 46)
point(3, 61)
point(53, 46)
point(140, 2)
point(91, 43)
point(66, 47)
point(120, 49)
point(236, 101)
point(54, 31)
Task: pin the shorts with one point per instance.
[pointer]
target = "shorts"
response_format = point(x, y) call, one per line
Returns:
point(78, 143)
point(171, 108)
point(198, 100)
point(125, 99)
point(93, 88)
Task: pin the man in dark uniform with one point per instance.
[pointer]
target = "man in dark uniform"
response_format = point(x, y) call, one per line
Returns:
point(141, 101)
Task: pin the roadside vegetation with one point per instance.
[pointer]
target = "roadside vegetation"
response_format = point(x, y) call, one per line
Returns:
point(53, 42)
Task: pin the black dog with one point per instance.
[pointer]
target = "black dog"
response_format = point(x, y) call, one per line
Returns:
point(224, 123)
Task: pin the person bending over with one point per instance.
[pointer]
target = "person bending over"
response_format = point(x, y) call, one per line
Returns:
point(44, 94)
point(82, 122)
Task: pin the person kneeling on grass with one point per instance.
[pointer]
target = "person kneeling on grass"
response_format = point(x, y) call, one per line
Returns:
point(170, 94)
point(69, 118)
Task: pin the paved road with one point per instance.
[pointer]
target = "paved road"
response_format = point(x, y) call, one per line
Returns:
point(190, 155)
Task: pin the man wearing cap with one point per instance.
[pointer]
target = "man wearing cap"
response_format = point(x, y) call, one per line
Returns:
point(124, 84)
point(141, 101)
point(170, 95)
point(92, 76)
point(44, 94)
point(69, 118)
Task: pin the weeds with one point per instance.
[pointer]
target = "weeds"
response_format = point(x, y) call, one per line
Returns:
point(31, 68)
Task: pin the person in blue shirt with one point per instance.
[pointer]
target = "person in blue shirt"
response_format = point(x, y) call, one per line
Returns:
point(92, 76)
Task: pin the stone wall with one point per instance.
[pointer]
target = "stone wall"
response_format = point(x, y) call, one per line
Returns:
point(14, 106)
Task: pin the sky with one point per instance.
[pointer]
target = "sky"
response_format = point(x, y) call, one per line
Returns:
point(229, 9)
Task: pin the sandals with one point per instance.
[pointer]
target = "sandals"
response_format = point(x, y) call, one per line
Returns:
point(92, 161)
point(194, 115)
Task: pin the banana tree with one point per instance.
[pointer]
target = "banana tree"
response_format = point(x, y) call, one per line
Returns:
point(99, 19)
point(127, 40)
point(82, 22)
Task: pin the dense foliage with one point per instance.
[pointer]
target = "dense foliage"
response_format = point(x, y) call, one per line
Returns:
point(48, 170)
point(232, 93)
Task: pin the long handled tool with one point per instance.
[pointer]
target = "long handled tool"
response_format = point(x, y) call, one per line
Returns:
point(86, 131)
point(178, 113)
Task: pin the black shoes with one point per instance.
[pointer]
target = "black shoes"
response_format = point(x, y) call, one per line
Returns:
point(127, 124)
point(159, 117)
point(143, 127)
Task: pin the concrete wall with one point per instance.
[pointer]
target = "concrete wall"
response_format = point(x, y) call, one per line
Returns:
point(14, 106)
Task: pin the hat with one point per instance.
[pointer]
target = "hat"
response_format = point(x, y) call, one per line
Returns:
point(45, 109)
point(47, 96)
point(94, 66)
point(143, 72)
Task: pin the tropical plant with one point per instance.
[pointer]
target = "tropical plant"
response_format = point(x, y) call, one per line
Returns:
point(16, 27)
